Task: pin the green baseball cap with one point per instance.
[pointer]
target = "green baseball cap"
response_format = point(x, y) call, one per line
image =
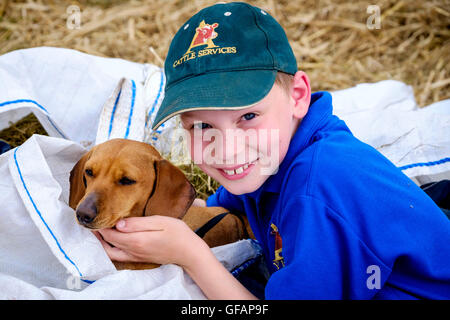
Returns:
point(225, 57)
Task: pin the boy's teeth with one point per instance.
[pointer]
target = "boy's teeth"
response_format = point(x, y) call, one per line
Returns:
point(239, 170)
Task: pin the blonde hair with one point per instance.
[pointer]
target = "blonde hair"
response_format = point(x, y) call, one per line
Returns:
point(284, 80)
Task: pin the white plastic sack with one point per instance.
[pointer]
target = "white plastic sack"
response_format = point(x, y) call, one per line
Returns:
point(46, 254)
point(123, 115)
point(385, 115)
point(67, 91)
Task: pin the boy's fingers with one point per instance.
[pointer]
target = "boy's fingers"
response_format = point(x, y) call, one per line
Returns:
point(116, 254)
point(113, 252)
point(116, 238)
point(199, 203)
point(136, 224)
point(97, 235)
point(104, 244)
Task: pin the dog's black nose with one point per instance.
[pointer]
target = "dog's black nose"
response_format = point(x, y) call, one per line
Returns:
point(87, 210)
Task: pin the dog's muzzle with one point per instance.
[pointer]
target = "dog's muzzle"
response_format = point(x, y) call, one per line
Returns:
point(87, 210)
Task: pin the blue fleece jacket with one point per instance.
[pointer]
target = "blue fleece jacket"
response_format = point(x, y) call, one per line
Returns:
point(340, 221)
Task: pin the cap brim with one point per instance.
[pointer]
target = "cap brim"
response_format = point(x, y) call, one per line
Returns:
point(229, 90)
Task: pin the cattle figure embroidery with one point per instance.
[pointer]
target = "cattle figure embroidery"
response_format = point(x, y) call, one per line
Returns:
point(204, 35)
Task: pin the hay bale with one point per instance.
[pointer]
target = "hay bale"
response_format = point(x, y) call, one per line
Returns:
point(330, 37)
point(18, 132)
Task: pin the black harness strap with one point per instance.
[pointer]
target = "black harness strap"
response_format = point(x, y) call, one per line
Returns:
point(213, 221)
point(210, 224)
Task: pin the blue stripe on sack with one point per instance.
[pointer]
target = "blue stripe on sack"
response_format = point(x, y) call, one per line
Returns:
point(425, 164)
point(88, 281)
point(161, 84)
point(56, 128)
point(133, 90)
point(40, 216)
point(39, 106)
point(23, 100)
point(112, 114)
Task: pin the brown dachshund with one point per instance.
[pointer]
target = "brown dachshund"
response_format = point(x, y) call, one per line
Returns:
point(125, 178)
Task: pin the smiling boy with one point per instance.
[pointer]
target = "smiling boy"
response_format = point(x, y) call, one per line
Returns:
point(251, 141)
point(335, 219)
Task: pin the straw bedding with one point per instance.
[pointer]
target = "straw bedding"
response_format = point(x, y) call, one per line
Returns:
point(331, 40)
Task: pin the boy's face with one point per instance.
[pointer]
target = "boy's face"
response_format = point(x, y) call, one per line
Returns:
point(242, 148)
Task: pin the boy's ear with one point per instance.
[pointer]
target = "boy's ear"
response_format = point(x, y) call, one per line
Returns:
point(301, 94)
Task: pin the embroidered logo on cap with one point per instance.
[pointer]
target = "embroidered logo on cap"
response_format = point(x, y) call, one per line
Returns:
point(204, 35)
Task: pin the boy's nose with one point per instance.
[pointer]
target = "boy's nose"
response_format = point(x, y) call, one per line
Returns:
point(239, 146)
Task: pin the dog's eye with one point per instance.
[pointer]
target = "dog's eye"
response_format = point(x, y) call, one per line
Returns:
point(89, 172)
point(126, 181)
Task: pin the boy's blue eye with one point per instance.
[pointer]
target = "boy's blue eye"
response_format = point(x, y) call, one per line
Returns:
point(249, 116)
point(201, 125)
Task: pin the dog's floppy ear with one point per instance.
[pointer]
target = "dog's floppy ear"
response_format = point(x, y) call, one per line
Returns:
point(78, 181)
point(172, 193)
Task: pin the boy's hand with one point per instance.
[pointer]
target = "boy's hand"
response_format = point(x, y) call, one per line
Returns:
point(163, 240)
point(198, 202)
point(155, 239)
